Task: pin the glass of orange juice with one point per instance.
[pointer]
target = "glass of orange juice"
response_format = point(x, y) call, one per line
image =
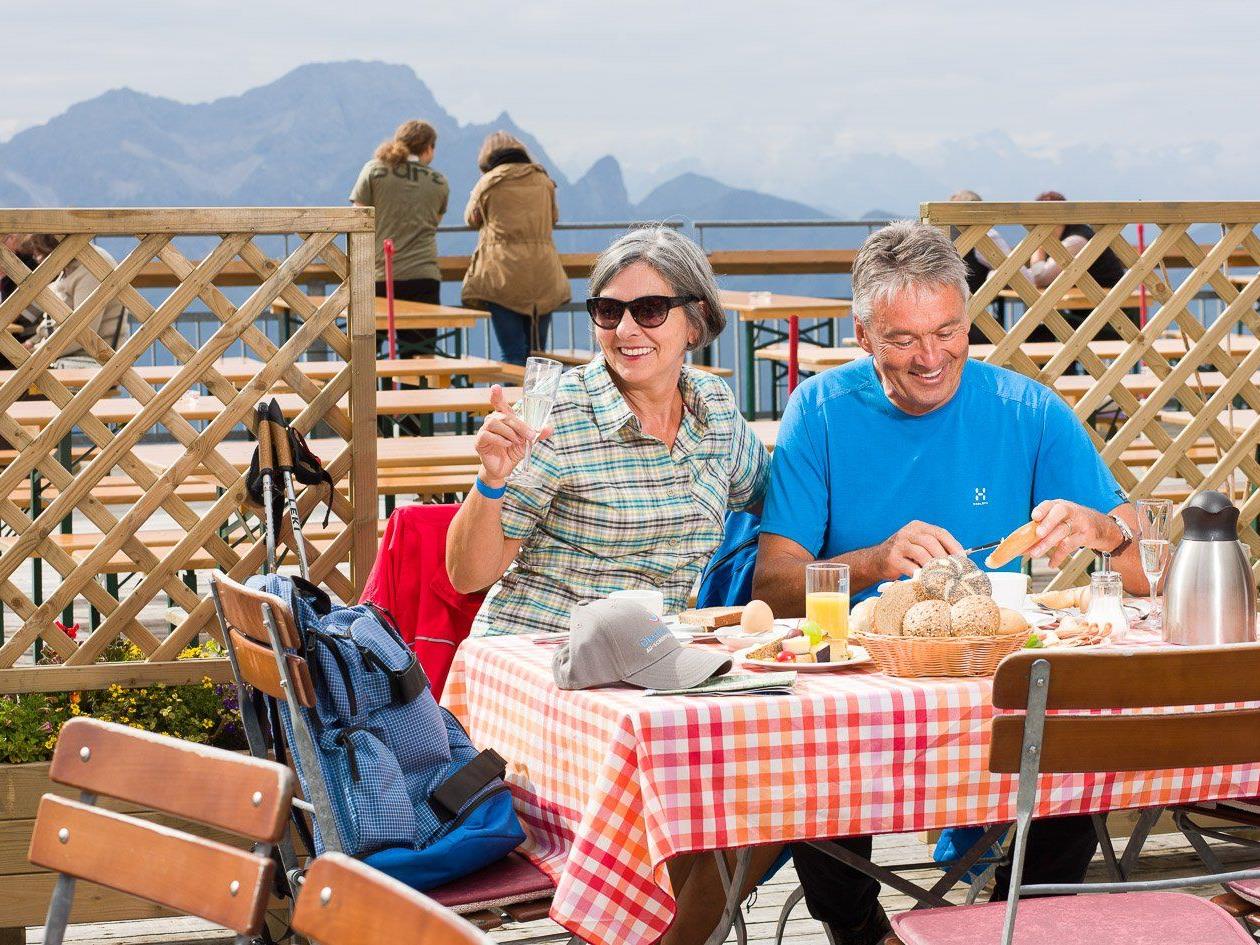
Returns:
point(827, 603)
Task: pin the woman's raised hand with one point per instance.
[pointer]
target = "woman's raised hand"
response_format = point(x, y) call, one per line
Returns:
point(502, 439)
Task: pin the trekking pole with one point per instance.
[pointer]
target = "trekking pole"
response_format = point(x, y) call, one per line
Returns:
point(266, 468)
point(284, 461)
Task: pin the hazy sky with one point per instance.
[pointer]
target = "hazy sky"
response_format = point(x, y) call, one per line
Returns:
point(747, 87)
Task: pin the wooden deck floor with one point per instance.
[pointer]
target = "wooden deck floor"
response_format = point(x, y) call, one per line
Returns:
point(1164, 856)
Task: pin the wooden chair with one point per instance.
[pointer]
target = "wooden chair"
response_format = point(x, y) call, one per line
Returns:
point(1075, 739)
point(344, 902)
point(265, 650)
point(187, 873)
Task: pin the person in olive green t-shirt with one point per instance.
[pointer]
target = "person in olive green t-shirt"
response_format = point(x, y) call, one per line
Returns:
point(410, 198)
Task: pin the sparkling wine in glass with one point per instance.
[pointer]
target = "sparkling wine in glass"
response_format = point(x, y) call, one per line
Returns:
point(542, 380)
point(1154, 521)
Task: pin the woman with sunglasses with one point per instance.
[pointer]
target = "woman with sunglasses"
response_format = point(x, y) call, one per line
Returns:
point(629, 486)
point(627, 489)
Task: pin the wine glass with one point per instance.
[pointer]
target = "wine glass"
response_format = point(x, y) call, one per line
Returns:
point(1154, 520)
point(542, 380)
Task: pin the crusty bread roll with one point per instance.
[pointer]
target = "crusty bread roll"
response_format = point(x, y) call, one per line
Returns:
point(1012, 546)
point(928, 618)
point(893, 604)
point(1064, 599)
point(1012, 621)
point(954, 577)
point(862, 617)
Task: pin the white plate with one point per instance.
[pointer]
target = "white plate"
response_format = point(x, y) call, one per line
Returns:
point(857, 657)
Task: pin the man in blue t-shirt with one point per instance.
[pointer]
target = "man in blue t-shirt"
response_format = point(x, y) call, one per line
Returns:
point(915, 453)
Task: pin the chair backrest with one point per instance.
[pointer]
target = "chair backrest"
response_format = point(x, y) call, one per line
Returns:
point(237, 793)
point(1078, 683)
point(345, 902)
point(1087, 734)
point(259, 630)
point(243, 614)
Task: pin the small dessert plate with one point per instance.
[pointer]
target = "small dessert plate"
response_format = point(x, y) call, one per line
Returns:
point(857, 657)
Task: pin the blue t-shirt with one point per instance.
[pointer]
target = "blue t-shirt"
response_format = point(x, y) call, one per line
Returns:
point(850, 468)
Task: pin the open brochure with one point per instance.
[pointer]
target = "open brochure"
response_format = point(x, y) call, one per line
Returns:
point(735, 684)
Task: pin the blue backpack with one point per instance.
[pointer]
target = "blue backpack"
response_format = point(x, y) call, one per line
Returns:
point(410, 794)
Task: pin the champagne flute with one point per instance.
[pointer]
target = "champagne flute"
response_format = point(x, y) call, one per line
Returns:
point(1154, 521)
point(542, 380)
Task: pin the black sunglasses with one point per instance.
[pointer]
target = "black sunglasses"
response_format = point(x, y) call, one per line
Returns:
point(648, 311)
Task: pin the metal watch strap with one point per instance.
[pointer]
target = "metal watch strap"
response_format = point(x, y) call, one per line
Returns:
point(1126, 536)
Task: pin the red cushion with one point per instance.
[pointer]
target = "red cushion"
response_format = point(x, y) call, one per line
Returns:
point(512, 879)
point(1152, 918)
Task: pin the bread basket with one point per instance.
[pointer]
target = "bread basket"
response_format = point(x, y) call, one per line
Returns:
point(939, 656)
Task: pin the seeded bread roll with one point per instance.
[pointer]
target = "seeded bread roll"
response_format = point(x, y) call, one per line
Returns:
point(953, 578)
point(975, 616)
point(929, 618)
point(893, 604)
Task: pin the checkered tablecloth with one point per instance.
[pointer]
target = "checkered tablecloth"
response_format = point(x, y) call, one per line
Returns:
point(610, 783)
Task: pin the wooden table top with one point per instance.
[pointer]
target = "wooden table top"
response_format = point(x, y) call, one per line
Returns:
point(409, 314)
point(242, 370)
point(784, 306)
point(391, 452)
point(817, 358)
point(1074, 299)
point(475, 400)
point(1237, 421)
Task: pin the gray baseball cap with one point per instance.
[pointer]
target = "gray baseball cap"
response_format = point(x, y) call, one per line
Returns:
point(619, 641)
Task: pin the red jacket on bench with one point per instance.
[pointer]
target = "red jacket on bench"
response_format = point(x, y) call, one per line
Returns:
point(410, 581)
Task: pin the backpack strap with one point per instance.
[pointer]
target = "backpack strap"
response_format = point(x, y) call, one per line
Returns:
point(457, 790)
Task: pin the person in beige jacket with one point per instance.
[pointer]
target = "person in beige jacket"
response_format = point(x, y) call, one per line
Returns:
point(515, 272)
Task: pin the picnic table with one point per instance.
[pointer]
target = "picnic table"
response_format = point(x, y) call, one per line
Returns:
point(815, 358)
point(610, 784)
point(754, 308)
point(241, 370)
point(407, 315)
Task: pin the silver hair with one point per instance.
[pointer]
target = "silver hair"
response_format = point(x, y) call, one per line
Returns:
point(904, 254)
point(678, 261)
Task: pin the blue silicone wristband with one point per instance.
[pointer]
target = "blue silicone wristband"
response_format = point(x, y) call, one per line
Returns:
point(487, 491)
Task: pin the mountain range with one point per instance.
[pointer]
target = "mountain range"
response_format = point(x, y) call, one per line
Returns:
point(301, 140)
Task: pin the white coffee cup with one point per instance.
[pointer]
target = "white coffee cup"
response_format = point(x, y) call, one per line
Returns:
point(1010, 589)
point(651, 601)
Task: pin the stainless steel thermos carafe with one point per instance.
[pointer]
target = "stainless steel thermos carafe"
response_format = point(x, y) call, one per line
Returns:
point(1210, 596)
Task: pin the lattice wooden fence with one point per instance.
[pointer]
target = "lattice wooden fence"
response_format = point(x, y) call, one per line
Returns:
point(220, 533)
point(1195, 435)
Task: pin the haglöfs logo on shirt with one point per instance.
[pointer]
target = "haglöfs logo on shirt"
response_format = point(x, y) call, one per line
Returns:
point(981, 497)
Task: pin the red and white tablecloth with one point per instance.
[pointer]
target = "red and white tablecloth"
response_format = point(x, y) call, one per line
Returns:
point(610, 783)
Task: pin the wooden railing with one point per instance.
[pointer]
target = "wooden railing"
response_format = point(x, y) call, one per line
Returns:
point(1168, 245)
point(342, 564)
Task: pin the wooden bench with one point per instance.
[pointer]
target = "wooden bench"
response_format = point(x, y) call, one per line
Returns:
point(575, 357)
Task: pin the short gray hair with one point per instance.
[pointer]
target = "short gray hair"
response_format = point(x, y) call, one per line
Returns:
point(678, 261)
point(900, 255)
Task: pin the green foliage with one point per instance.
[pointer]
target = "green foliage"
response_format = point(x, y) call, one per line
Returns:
point(197, 712)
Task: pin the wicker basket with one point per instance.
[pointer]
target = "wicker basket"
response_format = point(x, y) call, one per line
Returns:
point(940, 656)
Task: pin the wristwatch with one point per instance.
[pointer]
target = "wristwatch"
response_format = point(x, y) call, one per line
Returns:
point(1126, 536)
